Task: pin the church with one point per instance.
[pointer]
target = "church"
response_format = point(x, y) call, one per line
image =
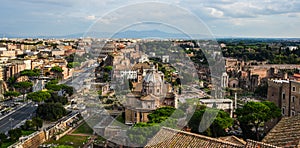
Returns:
point(150, 94)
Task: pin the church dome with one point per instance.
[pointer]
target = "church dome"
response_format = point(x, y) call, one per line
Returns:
point(152, 77)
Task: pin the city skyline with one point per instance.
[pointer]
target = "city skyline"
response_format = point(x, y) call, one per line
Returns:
point(224, 18)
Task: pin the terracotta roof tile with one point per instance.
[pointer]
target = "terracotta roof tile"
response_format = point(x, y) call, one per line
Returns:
point(233, 139)
point(168, 137)
point(286, 133)
point(256, 144)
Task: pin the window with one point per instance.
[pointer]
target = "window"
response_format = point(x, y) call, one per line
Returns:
point(283, 96)
point(157, 90)
point(293, 113)
point(294, 88)
point(293, 99)
point(283, 110)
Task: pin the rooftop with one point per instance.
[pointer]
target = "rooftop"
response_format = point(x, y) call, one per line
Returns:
point(286, 133)
point(168, 137)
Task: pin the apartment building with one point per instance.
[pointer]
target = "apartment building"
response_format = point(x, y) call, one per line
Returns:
point(286, 95)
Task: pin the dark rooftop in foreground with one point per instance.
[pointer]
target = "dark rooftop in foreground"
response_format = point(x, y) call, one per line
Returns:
point(168, 137)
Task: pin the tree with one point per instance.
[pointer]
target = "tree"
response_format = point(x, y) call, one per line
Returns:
point(55, 98)
point(51, 111)
point(11, 82)
point(15, 134)
point(53, 87)
point(163, 113)
point(105, 77)
point(28, 125)
point(57, 71)
point(68, 89)
point(164, 116)
point(37, 122)
point(73, 64)
point(262, 90)
point(11, 94)
point(108, 68)
point(254, 115)
point(217, 127)
point(39, 96)
point(139, 133)
point(30, 73)
point(23, 87)
point(3, 137)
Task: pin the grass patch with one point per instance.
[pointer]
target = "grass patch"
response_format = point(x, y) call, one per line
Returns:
point(26, 133)
point(6, 144)
point(70, 140)
point(84, 129)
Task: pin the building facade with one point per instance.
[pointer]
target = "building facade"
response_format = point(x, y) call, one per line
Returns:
point(286, 95)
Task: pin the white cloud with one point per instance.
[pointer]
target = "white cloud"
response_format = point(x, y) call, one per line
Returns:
point(232, 16)
point(90, 17)
point(216, 13)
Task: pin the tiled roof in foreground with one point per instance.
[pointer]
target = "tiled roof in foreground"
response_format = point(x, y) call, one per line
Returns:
point(256, 144)
point(168, 137)
point(286, 133)
point(233, 139)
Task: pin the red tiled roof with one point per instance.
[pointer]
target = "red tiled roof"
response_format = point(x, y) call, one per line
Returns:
point(286, 133)
point(233, 139)
point(168, 137)
point(256, 144)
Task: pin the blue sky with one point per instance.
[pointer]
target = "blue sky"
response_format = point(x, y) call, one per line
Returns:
point(240, 18)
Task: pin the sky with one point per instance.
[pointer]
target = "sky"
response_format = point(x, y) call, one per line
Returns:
point(221, 18)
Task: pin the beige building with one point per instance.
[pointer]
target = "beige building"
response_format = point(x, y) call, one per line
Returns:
point(57, 52)
point(224, 104)
point(5, 53)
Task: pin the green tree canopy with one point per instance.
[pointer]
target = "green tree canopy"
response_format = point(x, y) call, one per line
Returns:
point(3, 137)
point(23, 87)
point(11, 94)
point(56, 69)
point(38, 96)
point(51, 111)
point(255, 114)
point(164, 116)
point(73, 64)
point(55, 98)
point(218, 126)
point(53, 85)
point(108, 68)
point(163, 113)
point(30, 73)
point(37, 122)
point(68, 89)
point(15, 134)
point(12, 81)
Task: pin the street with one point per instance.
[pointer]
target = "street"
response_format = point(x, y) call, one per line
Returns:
point(17, 117)
point(26, 112)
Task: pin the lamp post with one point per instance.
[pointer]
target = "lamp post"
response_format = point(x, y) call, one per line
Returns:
point(11, 119)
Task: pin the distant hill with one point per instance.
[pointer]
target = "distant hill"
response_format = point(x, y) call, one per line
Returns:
point(125, 34)
point(156, 34)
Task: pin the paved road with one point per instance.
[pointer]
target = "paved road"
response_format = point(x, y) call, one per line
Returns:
point(17, 117)
point(27, 112)
point(77, 80)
